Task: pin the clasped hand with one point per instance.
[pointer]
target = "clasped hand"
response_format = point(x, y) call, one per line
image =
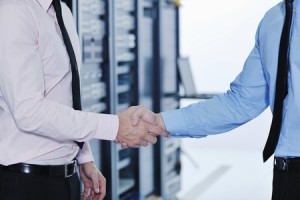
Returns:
point(139, 127)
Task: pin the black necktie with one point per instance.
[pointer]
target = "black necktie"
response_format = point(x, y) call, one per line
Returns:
point(281, 83)
point(74, 67)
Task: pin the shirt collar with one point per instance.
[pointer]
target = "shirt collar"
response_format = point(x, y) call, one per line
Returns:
point(45, 4)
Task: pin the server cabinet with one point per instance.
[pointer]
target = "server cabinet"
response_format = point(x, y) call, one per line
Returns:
point(94, 73)
point(167, 151)
point(121, 165)
point(129, 53)
point(91, 24)
point(109, 31)
point(146, 20)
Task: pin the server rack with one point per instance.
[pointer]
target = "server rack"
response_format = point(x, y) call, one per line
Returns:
point(146, 21)
point(92, 33)
point(121, 165)
point(90, 18)
point(167, 151)
point(129, 48)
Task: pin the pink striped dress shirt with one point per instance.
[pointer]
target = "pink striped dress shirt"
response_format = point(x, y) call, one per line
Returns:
point(37, 122)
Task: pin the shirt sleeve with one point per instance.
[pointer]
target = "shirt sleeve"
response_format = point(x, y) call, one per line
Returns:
point(85, 154)
point(22, 86)
point(246, 99)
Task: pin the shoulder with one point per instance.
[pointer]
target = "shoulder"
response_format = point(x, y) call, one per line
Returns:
point(21, 15)
point(15, 4)
point(14, 9)
point(274, 15)
point(271, 24)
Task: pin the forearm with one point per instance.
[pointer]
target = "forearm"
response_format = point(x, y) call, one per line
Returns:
point(50, 119)
point(218, 115)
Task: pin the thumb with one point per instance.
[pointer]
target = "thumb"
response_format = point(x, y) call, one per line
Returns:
point(142, 113)
point(158, 131)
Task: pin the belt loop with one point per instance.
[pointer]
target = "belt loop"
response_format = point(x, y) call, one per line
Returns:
point(285, 166)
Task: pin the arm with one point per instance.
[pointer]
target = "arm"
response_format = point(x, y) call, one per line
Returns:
point(22, 85)
point(246, 99)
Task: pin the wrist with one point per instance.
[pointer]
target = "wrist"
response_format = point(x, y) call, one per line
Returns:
point(86, 163)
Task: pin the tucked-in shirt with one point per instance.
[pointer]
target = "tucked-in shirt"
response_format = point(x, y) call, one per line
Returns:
point(37, 122)
point(252, 91)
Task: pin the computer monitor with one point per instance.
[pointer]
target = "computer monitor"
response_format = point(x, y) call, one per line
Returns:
point(186, 77)
point(187, 80)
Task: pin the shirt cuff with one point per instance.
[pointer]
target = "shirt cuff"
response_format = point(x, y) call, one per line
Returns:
point(85, 154)
point(109, 127)
point(176, 124)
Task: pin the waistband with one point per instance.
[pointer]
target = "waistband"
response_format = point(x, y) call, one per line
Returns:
point(65, 171)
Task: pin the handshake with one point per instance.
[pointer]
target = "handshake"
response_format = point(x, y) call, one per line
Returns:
point(139, 127)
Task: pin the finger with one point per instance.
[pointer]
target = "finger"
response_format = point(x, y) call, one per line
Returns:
point(96, 197)
point(150, 138)
point(95, 184)
point(157, 130)
point(144, 143)
point(102, 187)
point(136, 115)
point(143, 113)
point(85, 198)
point(136, 144)
point(152, 134)
point(92, 195)
point(141, 142)
point(124, 145)
point(86, 190)
point(117, 141)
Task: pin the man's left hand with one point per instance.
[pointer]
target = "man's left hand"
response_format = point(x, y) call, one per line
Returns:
point(94, 182)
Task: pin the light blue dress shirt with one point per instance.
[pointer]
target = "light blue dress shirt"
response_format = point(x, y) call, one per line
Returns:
point(252, 91)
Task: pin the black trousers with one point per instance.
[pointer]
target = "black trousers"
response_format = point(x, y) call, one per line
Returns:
point(286, 185)
point(17, 186)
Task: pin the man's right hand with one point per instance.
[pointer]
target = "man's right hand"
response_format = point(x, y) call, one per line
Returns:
point(142, 113)
point(135, 130)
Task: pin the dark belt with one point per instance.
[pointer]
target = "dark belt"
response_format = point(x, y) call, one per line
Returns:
point(66, 170)
point(287, 164)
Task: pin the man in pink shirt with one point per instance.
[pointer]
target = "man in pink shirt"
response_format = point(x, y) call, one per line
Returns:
point(38, 126)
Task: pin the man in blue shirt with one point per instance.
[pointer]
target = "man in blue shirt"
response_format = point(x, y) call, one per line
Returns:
point(250, 94)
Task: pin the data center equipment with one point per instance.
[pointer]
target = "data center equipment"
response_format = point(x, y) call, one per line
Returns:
point(187, 81)
point(89, 16)
point(146, 22)
point(121, 165)
point(129, 52)
point(167, 161)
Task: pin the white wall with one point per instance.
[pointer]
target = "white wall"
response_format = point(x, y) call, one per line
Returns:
point(217, 36)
